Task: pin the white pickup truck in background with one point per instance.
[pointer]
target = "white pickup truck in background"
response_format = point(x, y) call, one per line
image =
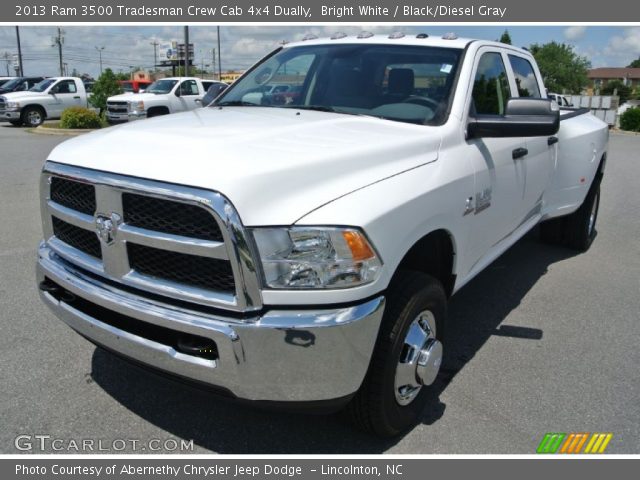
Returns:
point(45, 101)
point(162, 97)
point(303, 252)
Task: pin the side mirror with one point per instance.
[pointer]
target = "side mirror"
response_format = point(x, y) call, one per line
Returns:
point(523, 117)
point(178, 93)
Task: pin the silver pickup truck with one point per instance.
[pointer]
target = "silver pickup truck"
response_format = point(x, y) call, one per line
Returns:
point(300, 249)
point(44, 101)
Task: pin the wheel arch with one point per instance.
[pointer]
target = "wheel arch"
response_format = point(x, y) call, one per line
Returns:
point(433, 254)
point(158, 110)
point(36, 105)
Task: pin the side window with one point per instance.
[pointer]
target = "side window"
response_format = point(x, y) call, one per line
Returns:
point(525, 77)
point(65, 86)
point(189, 87)
point(491, 85)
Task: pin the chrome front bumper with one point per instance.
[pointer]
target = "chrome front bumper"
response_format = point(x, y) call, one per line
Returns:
point(279, 355)
point(9, 115)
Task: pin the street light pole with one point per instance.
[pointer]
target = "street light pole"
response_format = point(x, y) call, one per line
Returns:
point(100, 49)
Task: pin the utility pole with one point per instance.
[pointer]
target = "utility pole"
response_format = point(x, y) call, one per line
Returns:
point(186, 51)
point(219, 54)
point(20, 69)
point(155, 44)
point(100, 49)
point(6, 57)
point(213, 63)
point(59, 40)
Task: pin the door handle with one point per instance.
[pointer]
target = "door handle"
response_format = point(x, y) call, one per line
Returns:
point(77, 98)
point(519, 153)
point(552, 140)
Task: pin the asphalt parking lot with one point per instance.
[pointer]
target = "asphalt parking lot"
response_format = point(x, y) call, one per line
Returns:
point(543, 341)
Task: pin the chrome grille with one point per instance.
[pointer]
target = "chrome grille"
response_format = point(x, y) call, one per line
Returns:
point(117, 107)
point(209, 273)
point(168, 216)
point(79, 238)
point(161, 238)
point(75, 195)
point(3, 105)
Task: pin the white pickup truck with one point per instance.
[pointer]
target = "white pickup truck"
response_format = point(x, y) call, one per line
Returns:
point(303, 253)
point(162, 97)
point(44, 101)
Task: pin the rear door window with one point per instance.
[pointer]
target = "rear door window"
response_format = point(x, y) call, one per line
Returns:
point(525, 77)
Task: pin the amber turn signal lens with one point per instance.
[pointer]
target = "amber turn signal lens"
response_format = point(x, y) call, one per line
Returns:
point(357, 243)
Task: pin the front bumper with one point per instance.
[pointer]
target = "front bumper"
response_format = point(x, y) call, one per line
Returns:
point(9, 115)
point(125, 117)
point(306, 355)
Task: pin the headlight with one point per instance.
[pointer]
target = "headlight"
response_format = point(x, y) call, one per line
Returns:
point(136, 106)
point(316, 257)
point(13, 105)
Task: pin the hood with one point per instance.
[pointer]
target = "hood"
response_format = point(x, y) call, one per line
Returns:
point(274, 164)
point(133, 97)
point(17, 95)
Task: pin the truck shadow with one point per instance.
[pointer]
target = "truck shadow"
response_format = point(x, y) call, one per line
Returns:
point(475, 314)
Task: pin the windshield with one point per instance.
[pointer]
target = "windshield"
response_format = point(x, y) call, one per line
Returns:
point(43, 85)
point(11, 84)
point(161, 86)
point(395, 82)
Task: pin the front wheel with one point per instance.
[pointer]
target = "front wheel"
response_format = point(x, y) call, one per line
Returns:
point(33, 116)
point(406, 359)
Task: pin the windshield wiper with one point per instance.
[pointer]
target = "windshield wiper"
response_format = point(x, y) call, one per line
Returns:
point(236, 103)
point(315, 108)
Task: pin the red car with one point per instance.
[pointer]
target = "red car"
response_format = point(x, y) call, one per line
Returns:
point(133, 86)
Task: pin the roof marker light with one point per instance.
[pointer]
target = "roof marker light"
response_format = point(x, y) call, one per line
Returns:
point(396, 35)
point(449, 36)
point(309, 36)
point(338, 35)
point(365, 34)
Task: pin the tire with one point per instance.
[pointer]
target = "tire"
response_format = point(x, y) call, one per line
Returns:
point(33, 116)
point(376, 407)
point(581, 225)
point(577, 230)
point(16, 123)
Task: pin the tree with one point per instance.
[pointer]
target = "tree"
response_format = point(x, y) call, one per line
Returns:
point(562, 69)
point(106, 86)
point(634, 64)
point(505, 38)
point(123, 76)
point(624, 92)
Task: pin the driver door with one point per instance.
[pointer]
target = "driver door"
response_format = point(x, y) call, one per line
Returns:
point(496, 206)
point(64, 95)
point(190, 96)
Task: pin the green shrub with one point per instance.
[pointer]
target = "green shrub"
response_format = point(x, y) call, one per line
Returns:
point(630, 120)
point(79, 117)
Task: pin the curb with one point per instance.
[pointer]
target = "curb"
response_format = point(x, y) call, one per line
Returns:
point(629, 133)
point(61, 131)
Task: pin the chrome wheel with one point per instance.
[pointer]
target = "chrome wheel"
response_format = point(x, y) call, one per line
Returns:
point(420, 358)
point(593, 214)
point(34, 117)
